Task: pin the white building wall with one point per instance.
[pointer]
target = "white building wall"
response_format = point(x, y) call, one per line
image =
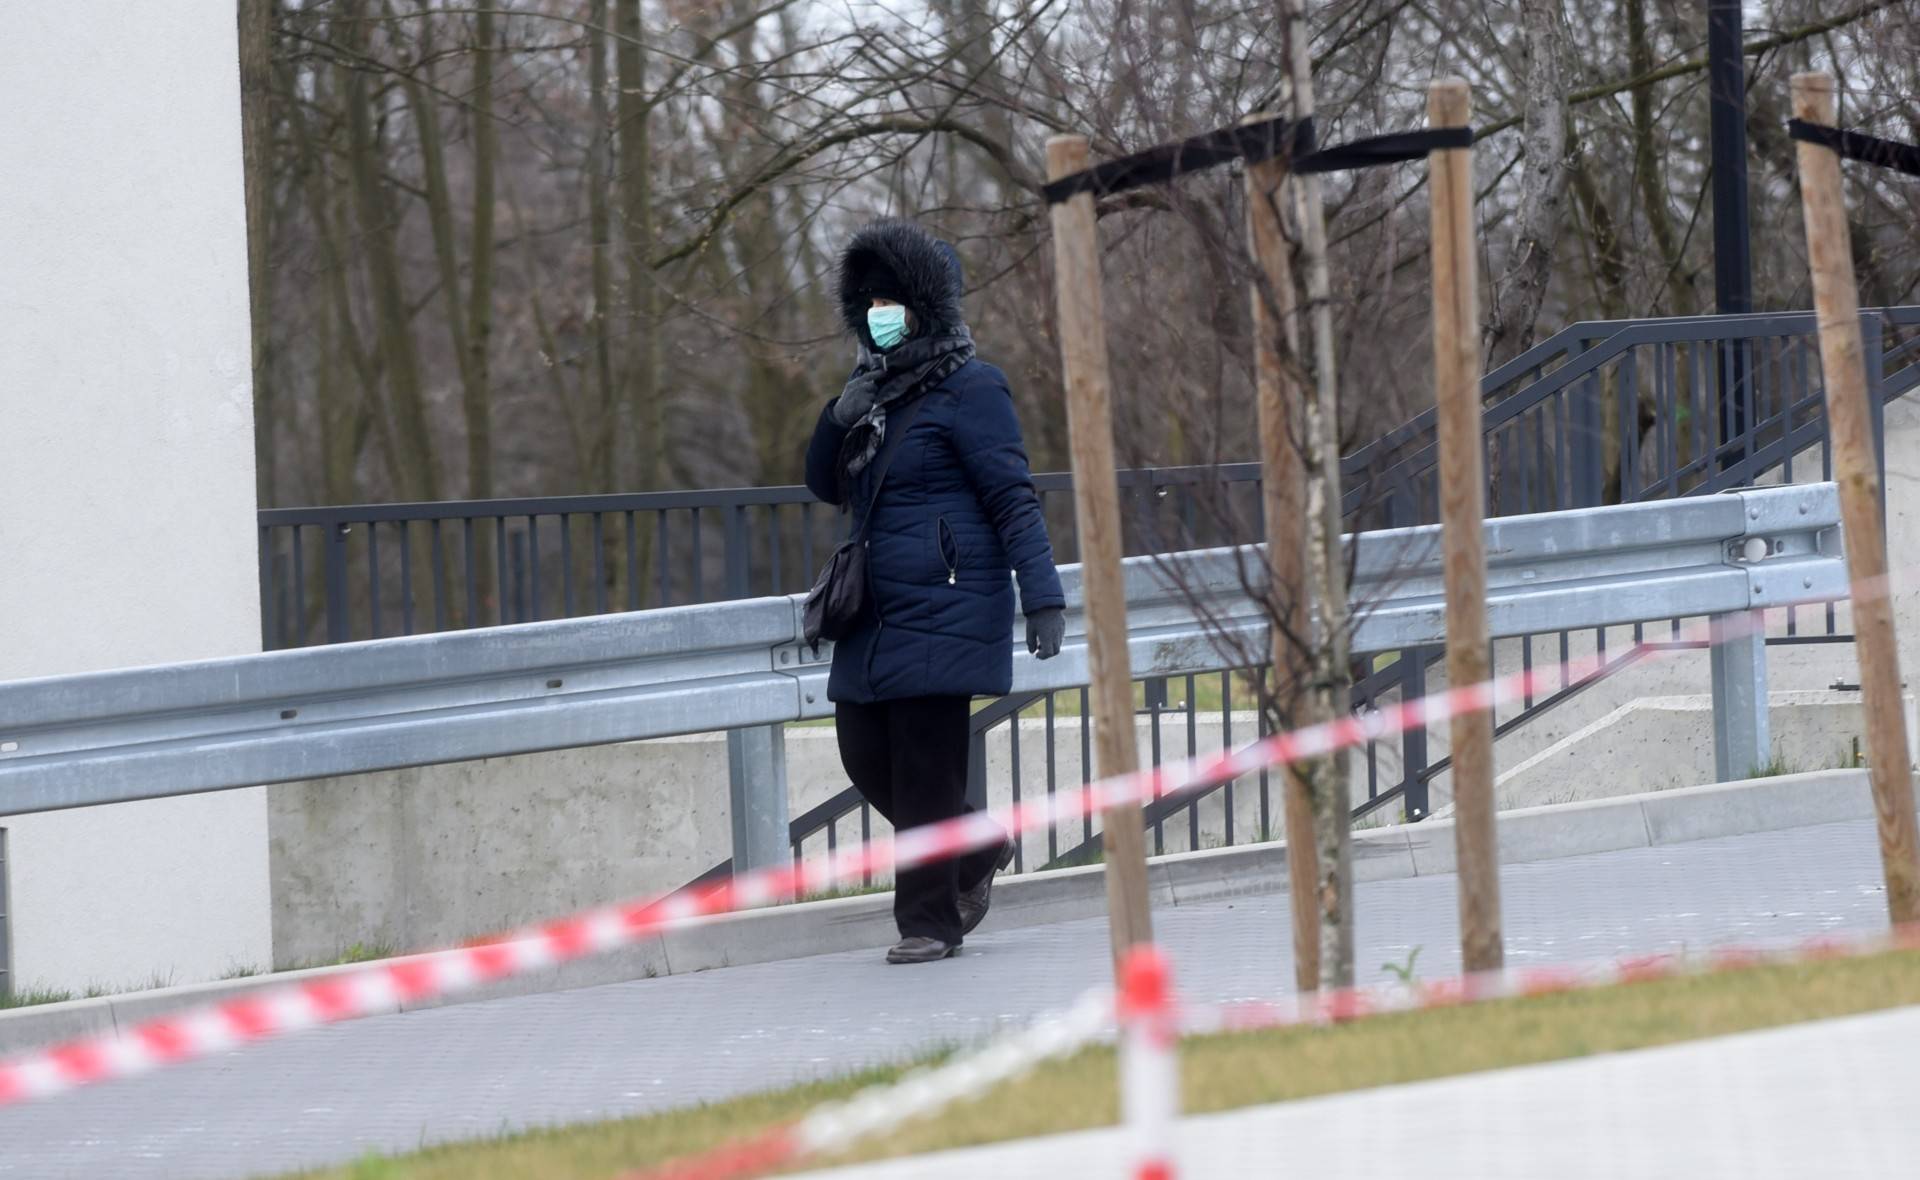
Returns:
point(126, 460)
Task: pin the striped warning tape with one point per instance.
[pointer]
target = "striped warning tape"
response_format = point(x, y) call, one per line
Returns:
point(384, 986)
point(1146, 1013)
point(840, 1125)
point(1349, 1004)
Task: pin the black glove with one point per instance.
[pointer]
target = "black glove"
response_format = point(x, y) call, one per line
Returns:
point(856, 400)
point(1046, 629)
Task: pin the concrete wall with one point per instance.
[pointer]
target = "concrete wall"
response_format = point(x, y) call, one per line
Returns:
point(434, 855)
point(126, 483)
point(1660, 743)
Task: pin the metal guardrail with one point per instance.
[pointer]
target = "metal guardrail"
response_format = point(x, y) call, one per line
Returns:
point(142, 733)
point(1652, 565)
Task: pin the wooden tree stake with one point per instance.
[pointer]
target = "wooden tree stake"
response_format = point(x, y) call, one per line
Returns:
point(1837, 309)
point(1096, 501)
point(1283, 482)
point(1456, 373)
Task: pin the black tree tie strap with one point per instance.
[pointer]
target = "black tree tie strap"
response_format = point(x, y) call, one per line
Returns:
point(1379, 150)
point(1884, 153)
point(1253, 142)
point(1159, 164)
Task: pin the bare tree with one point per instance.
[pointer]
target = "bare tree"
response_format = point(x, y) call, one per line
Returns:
point(1521, 290)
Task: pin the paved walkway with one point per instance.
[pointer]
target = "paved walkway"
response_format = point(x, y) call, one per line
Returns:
point(1832, 1100)
point(396, 1082)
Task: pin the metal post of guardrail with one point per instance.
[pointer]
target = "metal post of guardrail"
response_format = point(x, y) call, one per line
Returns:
point(1741, 739)
point(757, 796)
point(1413, 743)
point(334, 568)
point(1873, 350)
point(6, 950)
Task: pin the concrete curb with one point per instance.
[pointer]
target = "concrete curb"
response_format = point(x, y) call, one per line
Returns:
point(855, 923)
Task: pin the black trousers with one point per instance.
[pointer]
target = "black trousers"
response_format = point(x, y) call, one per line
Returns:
point(908, 759)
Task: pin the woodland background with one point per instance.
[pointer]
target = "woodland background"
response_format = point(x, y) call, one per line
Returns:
point(562, 246)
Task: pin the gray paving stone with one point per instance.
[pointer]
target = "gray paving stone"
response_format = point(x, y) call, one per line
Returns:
point(396, 1082)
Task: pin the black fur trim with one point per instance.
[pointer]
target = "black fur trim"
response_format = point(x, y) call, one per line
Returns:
point(899, 260)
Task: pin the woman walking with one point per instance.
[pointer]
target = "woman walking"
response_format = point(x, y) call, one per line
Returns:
point(923, 447)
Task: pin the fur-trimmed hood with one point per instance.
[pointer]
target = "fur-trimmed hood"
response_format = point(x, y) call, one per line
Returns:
point(901, 261)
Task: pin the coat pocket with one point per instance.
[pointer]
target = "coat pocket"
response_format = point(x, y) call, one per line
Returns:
point(949, 550)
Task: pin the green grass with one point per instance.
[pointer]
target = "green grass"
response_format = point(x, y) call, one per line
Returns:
point(359, 952)
point(34, 996)
point(1219, 1073)
point(1845, 758)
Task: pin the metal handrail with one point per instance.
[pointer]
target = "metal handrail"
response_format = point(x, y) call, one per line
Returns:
point(143, 733)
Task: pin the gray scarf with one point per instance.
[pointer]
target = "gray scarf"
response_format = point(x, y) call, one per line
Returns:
point(910, 369)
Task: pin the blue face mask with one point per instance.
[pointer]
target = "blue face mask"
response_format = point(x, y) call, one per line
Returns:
point(887, 325)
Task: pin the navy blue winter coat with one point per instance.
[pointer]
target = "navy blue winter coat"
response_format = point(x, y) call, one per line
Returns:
point(956, 519)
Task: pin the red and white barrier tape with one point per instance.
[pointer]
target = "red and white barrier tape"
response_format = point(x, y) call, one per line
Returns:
point(1357, 1003)
point(1149, 1061)
point(382, 987)
point(1152, 1024)
point(839, 1125)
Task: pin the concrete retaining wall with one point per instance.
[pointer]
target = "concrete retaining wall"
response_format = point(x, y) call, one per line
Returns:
point(438, 854)
point(1663, 743)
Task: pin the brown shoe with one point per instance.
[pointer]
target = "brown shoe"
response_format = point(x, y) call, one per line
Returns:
point(920, 949)
point(974, 902)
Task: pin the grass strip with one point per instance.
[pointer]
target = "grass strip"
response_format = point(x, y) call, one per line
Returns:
point(1219, 1072)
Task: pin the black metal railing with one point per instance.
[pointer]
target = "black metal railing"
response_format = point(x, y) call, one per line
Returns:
point(365, 571)
point(1714, 402)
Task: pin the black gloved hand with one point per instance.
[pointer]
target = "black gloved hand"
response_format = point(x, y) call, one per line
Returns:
point(856, 400)
point(1046, 630)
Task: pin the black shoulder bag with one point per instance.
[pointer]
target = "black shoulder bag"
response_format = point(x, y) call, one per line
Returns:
point(839, 596)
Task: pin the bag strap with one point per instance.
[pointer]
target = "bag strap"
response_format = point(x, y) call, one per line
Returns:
point(898, 423)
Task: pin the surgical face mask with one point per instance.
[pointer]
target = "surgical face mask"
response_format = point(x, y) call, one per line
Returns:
point(887, 325)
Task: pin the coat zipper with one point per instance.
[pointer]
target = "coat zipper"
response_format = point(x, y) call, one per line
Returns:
point(873, 600)
point(944, 539)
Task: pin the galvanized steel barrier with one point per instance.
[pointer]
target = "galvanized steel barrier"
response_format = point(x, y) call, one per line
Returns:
point(142, 733)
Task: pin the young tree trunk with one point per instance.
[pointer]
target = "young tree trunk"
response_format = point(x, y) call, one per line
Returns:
point(478, 390)
point(326, 206)
point(637, 414)
point(1646, 166)
point(1280, 398)
point(1331, 680)
point(339, 449)
point(599, 211)
point(256, 145)
point(469, 307)
point(1610, 285)
point(415, 472)
point(1522, 287)
point(600, 231)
